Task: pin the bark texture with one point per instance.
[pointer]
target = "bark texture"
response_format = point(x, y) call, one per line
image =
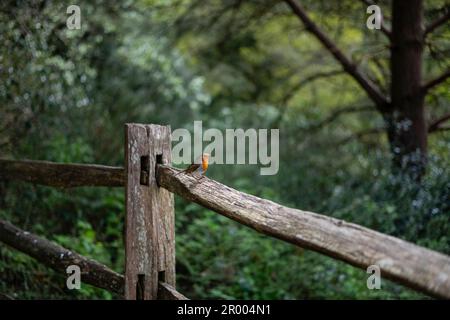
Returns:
point(405, 121)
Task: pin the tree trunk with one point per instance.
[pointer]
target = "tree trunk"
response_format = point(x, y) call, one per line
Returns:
point(405, 120)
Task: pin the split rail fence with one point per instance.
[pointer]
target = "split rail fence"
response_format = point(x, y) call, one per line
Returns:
point(150, 183)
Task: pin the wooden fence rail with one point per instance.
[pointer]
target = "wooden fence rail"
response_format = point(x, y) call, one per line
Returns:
point(62, 175)
point(403, 262)
point(150, 216)
point(59, 258)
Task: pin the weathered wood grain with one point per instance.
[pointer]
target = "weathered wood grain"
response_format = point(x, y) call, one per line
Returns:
point(138, 239)
point(64, 175)
point(163, 203)
point(408, 264)
point(59, 258)
point(150, 235)
point(167, 292)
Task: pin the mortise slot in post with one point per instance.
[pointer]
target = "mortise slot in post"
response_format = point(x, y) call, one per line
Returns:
point(140, 287)
point(145, 163)
point(161, 276)
point(159, 160)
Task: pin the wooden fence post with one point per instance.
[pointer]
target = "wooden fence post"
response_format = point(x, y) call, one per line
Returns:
point(150, 217)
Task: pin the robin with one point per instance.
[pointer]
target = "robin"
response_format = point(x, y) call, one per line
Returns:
point(198, 166)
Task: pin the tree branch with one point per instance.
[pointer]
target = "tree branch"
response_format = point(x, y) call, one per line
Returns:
point(436, 124)
point(337, 113)
point(313, 77)
point(297, 87)
point(437, 23)
point(370, 88)
point(436, 81)
point(384, 29)
point(440, 129)
point(361, 134)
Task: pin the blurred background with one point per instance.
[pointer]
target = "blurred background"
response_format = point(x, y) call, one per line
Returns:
point(66, 94)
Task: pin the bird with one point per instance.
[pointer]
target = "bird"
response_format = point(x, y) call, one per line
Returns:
point(198, 166)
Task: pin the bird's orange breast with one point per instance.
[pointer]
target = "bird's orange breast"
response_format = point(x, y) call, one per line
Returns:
point(204, 164)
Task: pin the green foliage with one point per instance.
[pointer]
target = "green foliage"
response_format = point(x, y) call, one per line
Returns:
point(221, 259)
point(65, 95)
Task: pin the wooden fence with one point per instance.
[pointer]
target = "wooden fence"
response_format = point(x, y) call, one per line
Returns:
point(150, 183)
